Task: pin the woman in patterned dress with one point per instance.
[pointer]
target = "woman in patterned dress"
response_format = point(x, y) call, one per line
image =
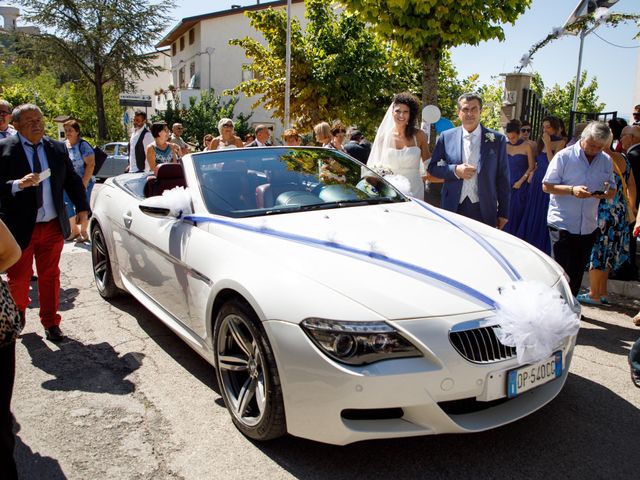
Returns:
point(611, 248)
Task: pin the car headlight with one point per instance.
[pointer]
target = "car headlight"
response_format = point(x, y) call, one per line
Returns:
point(358, 343)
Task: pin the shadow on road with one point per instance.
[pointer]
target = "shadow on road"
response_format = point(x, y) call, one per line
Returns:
point(608, 337)
point(67, 297)
point(32, 465)
point(583, 433)
point(173, 345)
point(588, 431)
point(89, 368)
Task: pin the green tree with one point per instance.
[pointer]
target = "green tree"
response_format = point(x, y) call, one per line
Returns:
point(558, 100)
point(492, 103)
point(450, 87)
point(426, 28)
point(76, 99)
point(338, 68)
point(105, 41)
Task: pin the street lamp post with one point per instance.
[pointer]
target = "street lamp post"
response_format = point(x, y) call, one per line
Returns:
point(585, 7)
point(576, 89)
point(287, 87)
point(209, 51)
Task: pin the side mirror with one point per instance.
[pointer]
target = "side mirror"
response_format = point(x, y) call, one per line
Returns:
point(156, 207)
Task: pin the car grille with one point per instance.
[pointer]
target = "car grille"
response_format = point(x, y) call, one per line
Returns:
point(480, 345)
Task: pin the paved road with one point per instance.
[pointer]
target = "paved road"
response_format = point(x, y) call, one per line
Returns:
point(123, 398)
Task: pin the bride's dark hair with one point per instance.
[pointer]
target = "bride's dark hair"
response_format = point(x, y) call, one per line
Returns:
point(410, 101)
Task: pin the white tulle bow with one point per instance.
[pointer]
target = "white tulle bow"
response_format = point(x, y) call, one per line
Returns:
point(400, 182)
point(178, 200)
point(534, 319)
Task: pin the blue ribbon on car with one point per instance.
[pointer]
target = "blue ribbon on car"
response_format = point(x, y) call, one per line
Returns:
point(380, 259)
point(490, 249)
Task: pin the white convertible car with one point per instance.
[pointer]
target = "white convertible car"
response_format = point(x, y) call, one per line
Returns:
point(332, 307)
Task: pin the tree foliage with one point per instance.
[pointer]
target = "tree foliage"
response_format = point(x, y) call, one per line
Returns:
point(426, 28)
point(492, 103)
point(559, 99)
point(202, 116)
point(104, 41)
point(338, 68)
point(76, 99)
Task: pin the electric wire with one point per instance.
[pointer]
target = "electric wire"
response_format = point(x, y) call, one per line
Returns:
point(613, 44)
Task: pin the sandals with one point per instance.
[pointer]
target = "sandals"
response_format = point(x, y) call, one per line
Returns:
point(587, 300)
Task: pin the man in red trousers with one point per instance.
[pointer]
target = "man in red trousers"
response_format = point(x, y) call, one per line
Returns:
point(34, 172)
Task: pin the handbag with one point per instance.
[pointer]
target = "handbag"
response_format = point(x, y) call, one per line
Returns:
point(10, 325)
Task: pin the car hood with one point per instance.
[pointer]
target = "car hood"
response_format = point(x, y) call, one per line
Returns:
point(398, 260)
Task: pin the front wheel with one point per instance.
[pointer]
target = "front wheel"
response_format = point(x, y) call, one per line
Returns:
point(102, 264)
point(247, 373)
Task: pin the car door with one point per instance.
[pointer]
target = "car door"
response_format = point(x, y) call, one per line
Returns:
point(151, 254)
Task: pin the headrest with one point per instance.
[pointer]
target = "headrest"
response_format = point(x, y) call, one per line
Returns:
point(169, 170)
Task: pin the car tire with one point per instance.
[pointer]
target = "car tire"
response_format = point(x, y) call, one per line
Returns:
point(102, 264)
point(247, 373)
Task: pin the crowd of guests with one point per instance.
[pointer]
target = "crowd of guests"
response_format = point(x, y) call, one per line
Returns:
point(156, 144)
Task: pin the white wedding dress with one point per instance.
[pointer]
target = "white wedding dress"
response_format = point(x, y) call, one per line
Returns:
point(407, 162)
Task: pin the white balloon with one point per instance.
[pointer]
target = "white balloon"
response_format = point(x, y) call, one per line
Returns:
point(430, 114)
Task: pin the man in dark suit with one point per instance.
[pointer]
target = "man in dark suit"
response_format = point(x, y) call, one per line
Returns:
point(353, 146)
point(473, 162)
point(262, 137)
point(34, 172)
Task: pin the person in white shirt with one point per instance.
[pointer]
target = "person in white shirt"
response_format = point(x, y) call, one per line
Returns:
point(140, 140)
point(176, 138)
point(6, 129)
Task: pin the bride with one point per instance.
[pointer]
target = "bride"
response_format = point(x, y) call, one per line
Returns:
point(400, 147)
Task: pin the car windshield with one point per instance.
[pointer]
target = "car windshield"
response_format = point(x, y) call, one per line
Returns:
point(267, 181)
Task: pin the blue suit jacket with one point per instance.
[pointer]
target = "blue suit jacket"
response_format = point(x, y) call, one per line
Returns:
point(494, 187)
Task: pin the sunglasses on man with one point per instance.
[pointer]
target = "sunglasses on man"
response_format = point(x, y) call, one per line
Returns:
point(636, 114)
point(525, 130)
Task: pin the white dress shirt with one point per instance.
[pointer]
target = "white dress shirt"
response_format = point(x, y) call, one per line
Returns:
point(146, 141)
point(47, 211)
point(471, 143)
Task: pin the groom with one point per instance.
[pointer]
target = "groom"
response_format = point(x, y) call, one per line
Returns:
point(472, 160)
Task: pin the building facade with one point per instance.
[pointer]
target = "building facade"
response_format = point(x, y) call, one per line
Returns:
point(202, 59)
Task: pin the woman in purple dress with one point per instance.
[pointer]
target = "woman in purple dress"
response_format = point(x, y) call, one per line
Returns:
point(533, 227)
point(521, 165)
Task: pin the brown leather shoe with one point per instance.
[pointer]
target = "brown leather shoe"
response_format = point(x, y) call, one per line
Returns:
point(54, 334)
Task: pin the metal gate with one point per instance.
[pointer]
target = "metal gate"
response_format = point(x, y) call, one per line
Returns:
point(579, 117)
point(533, 112)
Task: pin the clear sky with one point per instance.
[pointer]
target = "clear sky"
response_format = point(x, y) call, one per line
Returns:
point(614, 67)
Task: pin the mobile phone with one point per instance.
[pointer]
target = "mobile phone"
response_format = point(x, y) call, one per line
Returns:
point(597, 192)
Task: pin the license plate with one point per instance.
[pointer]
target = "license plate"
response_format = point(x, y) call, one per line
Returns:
point(525, 378)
